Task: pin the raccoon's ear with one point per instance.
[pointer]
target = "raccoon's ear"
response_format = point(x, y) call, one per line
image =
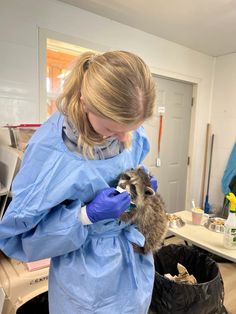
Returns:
point(125, 176)
point(149, 191)
point(140, 171)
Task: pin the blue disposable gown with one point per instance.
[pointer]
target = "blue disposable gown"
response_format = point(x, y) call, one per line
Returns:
point(93, 268)
point(230, 171)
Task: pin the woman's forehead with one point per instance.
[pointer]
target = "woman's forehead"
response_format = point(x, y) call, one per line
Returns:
point(115, 126)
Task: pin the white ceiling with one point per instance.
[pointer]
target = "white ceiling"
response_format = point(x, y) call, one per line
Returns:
point(208, 26)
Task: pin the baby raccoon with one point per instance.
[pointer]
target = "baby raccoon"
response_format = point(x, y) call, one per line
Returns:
point(148, 213)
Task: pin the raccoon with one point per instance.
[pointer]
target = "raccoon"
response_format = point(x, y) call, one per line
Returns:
point(148, 212)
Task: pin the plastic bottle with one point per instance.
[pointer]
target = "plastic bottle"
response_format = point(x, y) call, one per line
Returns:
point(230, 224)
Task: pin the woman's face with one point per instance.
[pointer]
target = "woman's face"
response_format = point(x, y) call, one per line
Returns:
point(108, 128)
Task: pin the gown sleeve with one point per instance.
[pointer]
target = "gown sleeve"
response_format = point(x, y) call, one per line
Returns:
point(42, 219)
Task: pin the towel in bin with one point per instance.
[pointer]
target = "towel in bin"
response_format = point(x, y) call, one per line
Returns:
point(170, 297)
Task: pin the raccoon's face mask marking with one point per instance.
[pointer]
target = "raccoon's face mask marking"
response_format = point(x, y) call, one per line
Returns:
point(137, 183)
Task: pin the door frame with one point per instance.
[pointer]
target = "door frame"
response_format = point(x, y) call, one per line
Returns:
point(196, 83)
point(187, 198)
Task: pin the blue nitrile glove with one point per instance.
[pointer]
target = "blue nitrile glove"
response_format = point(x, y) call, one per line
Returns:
point(108, 204)
point(154, 183)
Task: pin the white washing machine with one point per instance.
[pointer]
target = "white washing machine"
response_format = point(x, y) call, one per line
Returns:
point(19, 284)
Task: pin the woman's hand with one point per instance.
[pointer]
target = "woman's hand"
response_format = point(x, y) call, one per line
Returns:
point(108, 204)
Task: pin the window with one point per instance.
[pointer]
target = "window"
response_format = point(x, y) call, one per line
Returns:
point(57, 52)
point(59, 57)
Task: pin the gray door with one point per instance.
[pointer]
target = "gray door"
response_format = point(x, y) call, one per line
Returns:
point(176, 98)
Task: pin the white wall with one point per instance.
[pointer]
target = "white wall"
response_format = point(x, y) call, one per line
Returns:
point(19, 78)
point(223, 120)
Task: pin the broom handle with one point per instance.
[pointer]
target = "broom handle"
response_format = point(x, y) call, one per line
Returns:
point(209, 172)
point(205, 165)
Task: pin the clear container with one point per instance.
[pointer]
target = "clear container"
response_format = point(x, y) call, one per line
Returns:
point(230, 232)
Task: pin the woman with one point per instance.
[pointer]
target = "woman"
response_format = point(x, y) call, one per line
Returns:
point(64, 202)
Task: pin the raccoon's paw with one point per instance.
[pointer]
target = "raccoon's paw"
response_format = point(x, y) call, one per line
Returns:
point(138, 249)
point(125, 217)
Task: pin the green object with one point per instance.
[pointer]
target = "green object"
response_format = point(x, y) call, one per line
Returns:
point(132, 205)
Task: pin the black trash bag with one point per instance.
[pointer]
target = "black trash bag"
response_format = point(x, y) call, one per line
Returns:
point(170, 297)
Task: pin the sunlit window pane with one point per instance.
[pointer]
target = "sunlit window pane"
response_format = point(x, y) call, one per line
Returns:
point(60, 56)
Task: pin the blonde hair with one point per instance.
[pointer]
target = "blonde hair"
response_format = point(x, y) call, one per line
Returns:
point(114, 85)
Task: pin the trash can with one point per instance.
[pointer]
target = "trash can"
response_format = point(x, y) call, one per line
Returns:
point(170, 297)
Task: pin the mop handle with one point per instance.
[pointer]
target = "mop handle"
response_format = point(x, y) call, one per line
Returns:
point(210, 162)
